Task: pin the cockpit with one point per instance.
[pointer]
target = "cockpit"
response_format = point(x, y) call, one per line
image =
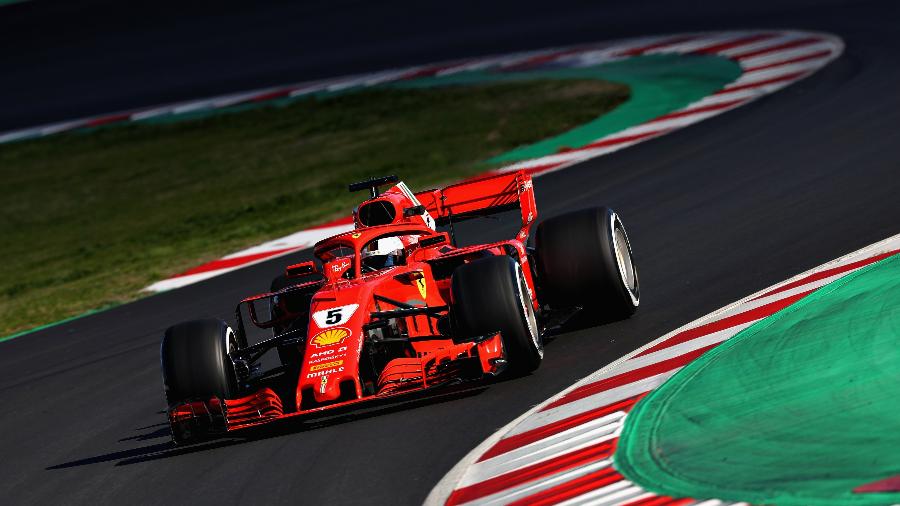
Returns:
point(380, 252)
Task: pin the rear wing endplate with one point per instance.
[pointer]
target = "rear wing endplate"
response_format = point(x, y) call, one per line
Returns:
point(481, 197)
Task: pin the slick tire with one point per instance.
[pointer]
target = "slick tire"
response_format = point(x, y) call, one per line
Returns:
point(280, 281)
point(490, 295)
point(195, 361)
point(584, 259)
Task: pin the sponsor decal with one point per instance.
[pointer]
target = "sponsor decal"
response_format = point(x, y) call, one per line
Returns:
point(341, 264)
point(323, 359)
point(323, 384)
point(326, 372)
point(423, 288)
point(330, 337)
point(327, 354)
point(326, 365)
point(334, 316)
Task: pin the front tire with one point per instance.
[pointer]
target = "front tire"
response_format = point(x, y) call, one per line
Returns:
point(584, 259)
point(490, 295)
point(196, 367)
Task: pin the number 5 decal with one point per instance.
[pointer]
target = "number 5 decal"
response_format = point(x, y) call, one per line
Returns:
point(334, 316)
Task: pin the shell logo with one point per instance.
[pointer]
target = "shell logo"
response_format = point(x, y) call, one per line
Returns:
point(330, 337)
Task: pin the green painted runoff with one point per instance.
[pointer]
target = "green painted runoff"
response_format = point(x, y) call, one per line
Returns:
point(659, 85)
point(798, 409)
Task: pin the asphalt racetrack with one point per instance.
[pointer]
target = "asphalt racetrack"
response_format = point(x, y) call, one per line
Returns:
point(715, 211)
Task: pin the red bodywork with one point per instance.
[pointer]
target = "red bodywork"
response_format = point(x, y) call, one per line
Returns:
point(351, 311)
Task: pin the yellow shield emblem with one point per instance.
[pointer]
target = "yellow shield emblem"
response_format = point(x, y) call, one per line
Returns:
point(423, 289)
point(330, 337)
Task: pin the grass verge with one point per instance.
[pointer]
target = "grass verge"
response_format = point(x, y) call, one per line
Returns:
point(90, 219)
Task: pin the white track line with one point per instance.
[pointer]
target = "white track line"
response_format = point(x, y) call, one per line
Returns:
point(604, 398)
point(532, 487)
point(609, 496)
point(537, 453)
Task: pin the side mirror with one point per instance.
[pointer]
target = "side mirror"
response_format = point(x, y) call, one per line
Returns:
point(301, 269)
point(259, 306)
point(410, 277)
point(418, 210)
point(434, 240)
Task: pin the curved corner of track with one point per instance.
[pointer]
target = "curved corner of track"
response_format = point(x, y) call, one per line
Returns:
point(561, 451)
point(769, 60)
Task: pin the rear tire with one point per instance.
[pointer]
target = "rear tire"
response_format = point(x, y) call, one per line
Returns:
point(490, 295)
point(584, 259)
point(281, 281)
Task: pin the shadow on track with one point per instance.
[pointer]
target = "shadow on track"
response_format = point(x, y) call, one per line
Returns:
point(168, 449)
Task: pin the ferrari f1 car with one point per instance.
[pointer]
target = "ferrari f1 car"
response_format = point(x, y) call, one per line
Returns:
point(395, 306)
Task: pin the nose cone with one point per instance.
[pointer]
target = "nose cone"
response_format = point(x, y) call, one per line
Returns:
point(331, 357)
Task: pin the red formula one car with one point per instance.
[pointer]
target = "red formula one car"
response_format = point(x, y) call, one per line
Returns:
point(395, 306)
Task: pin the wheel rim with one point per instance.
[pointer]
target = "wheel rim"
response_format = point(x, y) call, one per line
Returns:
point(624, 262)
point(528, 310)
point(231, 345)
point(230, 341)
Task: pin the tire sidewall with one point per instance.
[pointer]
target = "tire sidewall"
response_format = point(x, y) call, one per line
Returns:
point(531, 333)
point(577, 263)
point(196, 363)
point(490, 295)
point(630, 298)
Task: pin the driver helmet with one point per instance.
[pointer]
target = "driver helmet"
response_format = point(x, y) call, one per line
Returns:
point(382, 253)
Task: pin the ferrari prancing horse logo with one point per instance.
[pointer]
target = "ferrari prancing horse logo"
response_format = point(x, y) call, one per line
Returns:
point(423, 289)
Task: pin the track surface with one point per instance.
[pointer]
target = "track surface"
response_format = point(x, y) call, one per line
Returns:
point(715, 212)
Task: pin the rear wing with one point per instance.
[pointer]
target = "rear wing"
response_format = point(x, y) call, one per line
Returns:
point(482, 197)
